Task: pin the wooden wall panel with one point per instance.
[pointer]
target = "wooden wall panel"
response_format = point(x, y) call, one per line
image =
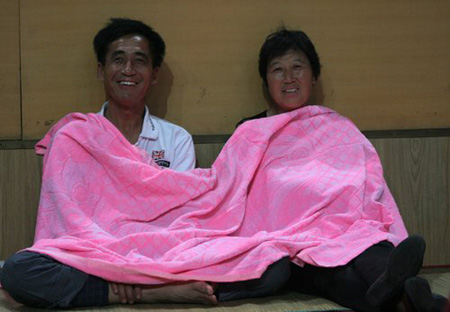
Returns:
point(207, 153)
point(417, 171)
point(10, 127)
point(385, 63)
point(20, 180)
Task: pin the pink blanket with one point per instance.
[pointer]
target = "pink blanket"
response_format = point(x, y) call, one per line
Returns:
point(306, 184)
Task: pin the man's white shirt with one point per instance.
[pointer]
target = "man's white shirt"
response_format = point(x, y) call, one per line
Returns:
point(169, 145)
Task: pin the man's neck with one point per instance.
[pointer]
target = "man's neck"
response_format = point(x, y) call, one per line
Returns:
point(129, 121)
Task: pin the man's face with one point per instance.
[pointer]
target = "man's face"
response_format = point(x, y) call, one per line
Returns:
point(128, 72)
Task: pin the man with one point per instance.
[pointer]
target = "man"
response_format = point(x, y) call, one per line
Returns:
point(129, 55)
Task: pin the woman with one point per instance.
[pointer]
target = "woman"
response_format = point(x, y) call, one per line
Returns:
point(381, 278)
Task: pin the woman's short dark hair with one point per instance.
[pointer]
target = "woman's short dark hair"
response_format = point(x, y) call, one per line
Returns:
point(120, 27)
point(280, 42)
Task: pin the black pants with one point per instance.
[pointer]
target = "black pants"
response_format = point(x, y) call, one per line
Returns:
point(273, 279)
point(346, 285)
point(38, 280)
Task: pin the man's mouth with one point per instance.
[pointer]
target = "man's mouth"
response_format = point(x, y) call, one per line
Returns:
point(127, 83)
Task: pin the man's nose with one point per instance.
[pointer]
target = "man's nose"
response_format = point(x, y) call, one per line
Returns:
point(129, 67)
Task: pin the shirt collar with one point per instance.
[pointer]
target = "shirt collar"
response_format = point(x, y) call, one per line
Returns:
point(149, 130)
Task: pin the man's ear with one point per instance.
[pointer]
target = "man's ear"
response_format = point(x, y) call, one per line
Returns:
point(155, 75)
point(100, 71)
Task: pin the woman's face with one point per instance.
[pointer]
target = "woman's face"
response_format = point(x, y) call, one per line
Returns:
point(290, 81)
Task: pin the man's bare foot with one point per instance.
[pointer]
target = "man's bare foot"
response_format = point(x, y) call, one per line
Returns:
point(185, 292)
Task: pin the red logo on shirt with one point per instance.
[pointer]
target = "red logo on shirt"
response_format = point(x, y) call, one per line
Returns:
point(156, 155)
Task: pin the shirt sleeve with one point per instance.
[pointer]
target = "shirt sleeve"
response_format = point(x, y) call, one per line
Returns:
point(184, 154)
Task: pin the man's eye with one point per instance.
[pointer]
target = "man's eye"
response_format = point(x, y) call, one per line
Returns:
point(276, 69)
point(118, 60)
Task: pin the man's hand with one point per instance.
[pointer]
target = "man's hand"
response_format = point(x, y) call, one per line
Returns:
point(127, 293)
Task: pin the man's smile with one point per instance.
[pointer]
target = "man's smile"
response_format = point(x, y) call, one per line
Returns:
point(127, 83)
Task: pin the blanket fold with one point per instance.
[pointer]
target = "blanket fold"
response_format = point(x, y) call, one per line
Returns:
point(305, 184)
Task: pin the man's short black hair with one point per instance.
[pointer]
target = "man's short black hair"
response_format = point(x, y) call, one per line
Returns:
point(281, 42)
point(120, 27)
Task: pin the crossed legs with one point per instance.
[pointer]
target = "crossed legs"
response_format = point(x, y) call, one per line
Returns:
point(38, 280)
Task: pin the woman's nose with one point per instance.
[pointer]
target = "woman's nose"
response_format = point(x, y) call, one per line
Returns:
point(288, 76)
